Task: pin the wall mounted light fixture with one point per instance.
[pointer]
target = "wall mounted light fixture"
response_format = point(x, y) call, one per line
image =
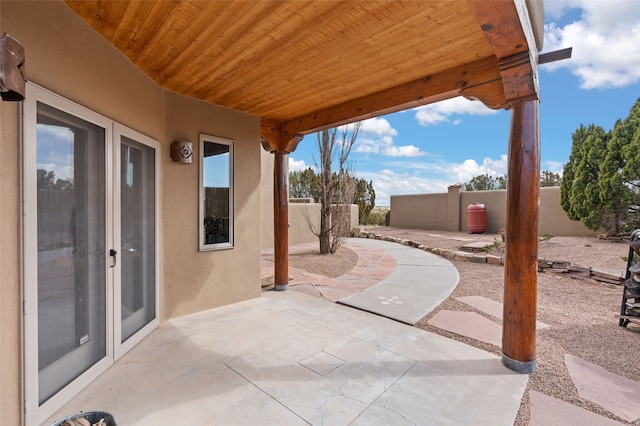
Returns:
point(182, 152)
point(11, 69)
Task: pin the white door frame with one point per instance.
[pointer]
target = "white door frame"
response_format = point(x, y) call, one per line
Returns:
point(120, 348)
point(34, 412)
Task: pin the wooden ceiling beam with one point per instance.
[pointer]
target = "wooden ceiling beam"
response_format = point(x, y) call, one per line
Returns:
point(507, 27)
point(476, 80)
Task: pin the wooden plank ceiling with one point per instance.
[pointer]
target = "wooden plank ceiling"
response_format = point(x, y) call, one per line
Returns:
point(305, 65)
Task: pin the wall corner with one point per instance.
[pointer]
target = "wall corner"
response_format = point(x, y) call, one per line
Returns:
point(453, 207)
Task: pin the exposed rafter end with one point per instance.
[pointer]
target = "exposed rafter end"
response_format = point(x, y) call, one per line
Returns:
point(556, 55)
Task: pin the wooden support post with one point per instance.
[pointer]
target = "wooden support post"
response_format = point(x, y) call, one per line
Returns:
point(521, 262)
point(280, 148)
point(281, 221)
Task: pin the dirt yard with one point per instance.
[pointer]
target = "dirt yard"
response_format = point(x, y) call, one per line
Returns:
point(582, 315)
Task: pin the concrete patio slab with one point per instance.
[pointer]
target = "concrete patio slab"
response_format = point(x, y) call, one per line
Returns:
point(362, 371)
point(412, 403)
point(612, 392)
point(548, 411)
point(289, 358)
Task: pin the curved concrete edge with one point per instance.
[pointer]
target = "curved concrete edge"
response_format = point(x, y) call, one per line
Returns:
point(420, 283)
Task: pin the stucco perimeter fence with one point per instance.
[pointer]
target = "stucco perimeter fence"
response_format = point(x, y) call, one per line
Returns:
point(448, 211)
point(299, 232)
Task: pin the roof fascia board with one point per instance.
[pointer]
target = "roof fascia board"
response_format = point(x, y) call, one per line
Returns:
point(480, 74)
point(508, 29)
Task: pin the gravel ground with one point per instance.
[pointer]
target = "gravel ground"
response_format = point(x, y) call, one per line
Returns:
point(330, 265)
point(582, 315)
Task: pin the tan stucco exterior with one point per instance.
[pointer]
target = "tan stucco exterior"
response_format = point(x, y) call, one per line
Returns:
point(266, 200)
point(194, 281)
point(442, 212)
point(68, 58)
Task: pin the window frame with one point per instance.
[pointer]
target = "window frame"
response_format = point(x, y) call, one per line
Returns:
point(203, 246)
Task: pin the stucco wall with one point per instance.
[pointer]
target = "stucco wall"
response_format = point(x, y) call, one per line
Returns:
point(299, 231)
point(9, 266)
point(554, 220)
point(65, 56)
point(422, 211)
point(298, 212)
point(193, 280)
point(266, 200)
point(429, 211)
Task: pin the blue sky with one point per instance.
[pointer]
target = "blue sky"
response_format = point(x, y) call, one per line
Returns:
point(426, 149)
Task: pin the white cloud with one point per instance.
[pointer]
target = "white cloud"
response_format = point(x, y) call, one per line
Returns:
point(440, 175)
point(470, 168)
point(553, 166)
point(403, 151)
point(55, 150)
point(605, 49)
point(61, 172)
point(378, 126)
point(444, 111)
point(376, 137)
point(297, 165)
point(387, 183)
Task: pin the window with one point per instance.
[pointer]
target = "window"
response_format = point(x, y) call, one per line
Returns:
point(216, 193)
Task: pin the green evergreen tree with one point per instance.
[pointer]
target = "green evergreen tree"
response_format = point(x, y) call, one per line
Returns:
point(549, 179)
point(365, 199)
point(304, 184)
point(579, 189)
point(486, 182)
point(501, 181)
point(620, 172)
point(602, 176)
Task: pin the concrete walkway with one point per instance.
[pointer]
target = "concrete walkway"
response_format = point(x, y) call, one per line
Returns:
point(419, 283)
point(389, 279)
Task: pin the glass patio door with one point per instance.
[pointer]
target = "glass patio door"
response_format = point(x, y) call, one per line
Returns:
point(71, 242)
point(136, 276)
point(90, 246)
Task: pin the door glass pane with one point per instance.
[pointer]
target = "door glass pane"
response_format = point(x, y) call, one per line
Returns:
point(137, 187)
point(71, 247)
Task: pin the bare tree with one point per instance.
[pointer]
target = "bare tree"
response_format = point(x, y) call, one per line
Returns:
point(338, 188)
